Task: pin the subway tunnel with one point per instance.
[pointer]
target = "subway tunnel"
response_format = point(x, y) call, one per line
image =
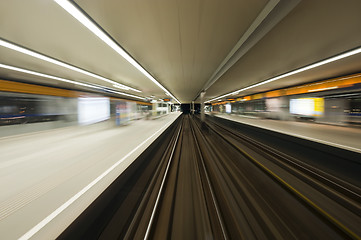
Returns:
point(185, 119)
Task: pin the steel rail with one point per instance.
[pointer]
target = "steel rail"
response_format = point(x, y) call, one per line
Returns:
point(294, 191)
point(146, 236)
point(210, 187)
point(319, 174)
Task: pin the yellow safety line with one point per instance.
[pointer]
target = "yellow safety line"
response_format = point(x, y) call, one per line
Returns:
point(303, 197)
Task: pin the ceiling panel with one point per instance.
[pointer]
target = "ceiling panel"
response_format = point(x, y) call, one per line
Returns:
point(181, 42)
point(313, 31)
point(45, 27)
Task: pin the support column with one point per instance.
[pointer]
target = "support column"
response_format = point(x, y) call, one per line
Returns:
point(192, 108)
point(202, 105)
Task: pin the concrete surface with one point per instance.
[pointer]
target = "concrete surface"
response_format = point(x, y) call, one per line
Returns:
point(48, 178)
point(338, 136)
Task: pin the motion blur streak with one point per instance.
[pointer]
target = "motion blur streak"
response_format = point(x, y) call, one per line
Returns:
point(77, 14)
point(59, 63)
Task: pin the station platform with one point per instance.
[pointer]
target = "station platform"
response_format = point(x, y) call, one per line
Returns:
point(338, 136)
point(48, 178)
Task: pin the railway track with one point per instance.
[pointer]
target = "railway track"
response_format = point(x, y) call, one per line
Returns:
point(207, 181)
point(336, 201)
point(185, 205)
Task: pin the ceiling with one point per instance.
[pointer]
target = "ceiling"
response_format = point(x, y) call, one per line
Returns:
point(188, 46)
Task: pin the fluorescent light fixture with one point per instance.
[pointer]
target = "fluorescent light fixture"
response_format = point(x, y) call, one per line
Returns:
point(314, 65)
point(79, 15)
point(125, 94)
point(66, 80)
point(322, 89)
point(29, 52)
point(120, 86)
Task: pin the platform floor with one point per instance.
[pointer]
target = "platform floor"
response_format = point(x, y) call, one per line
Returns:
point(338, 136)
point(48, 178)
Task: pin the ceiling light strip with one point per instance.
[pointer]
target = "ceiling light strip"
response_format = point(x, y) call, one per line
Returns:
point(314, 65)
point(88, 23)
point(59, 63)
point(66, 80)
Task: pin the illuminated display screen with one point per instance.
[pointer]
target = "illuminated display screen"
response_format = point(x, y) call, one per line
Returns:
point(92, 110)
point(228, 108)
point(307, 106)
